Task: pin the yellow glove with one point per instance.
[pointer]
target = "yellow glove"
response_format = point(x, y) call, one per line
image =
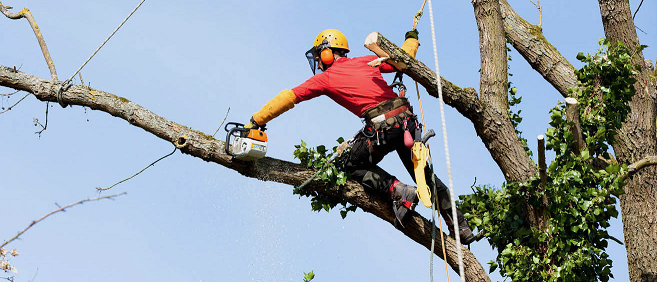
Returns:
point(281, 103)
point(411, 44)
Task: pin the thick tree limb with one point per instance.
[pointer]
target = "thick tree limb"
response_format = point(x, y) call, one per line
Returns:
point(493, 126)
point(203, 146)
point(492, 48)
point(528, 39)
point(494, 87)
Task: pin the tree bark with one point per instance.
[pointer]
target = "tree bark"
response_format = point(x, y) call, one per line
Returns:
point(494, 87)
point(203, 146)
point(492, 48)
point(636, 140)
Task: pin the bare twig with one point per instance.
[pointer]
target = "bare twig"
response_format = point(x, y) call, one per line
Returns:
point(35, 274)
point(222, 123)
point(81, 81)
point(473, 185)
point(124, 180)
point(56, 211)
point(43, 127)
point(615, 240)
point(25, 13)
point(637, 9)
point(10, 107)
point(12, 93)
point(540, 12)
point(643, 163)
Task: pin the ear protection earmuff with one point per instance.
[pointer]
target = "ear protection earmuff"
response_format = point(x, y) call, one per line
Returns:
point(327, 56)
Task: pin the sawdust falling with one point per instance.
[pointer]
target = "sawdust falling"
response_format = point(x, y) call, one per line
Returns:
point(269, 248)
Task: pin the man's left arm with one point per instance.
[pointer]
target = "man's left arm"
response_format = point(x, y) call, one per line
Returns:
point(409, 46)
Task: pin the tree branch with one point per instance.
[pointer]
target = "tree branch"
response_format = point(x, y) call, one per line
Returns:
point(529, 41)
point(61, 209)
point(492, 48)
point(25, 13)
point(203, 146)
point(642, 163)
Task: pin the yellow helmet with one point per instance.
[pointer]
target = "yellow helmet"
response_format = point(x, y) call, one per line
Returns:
point(334, 38)
point(322, 47)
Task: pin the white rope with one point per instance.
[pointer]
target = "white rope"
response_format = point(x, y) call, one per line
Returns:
point(449, 169)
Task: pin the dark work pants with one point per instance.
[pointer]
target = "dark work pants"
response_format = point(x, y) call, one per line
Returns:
point(364, 157)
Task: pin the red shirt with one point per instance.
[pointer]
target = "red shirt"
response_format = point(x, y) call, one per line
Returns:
point(351, 83)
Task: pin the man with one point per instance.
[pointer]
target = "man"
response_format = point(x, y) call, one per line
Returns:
point(362, 90)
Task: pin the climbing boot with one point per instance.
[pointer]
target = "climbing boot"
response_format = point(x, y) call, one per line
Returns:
point(404, 198)
point(465, 233)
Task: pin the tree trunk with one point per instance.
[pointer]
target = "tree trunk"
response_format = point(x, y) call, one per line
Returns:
point(636, 140)
point(201, 145)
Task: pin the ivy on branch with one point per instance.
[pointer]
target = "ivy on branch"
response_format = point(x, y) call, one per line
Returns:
point(581, 198)
point(331, 173)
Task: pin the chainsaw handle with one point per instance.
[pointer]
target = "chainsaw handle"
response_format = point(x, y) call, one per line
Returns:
point(237, 127)
point(428, 135)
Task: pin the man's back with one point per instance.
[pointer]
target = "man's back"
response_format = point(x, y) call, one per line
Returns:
point(351, 83)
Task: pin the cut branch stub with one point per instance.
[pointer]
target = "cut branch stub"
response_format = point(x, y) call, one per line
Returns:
point(572, 115)
point(372, 42)
point(541, 159)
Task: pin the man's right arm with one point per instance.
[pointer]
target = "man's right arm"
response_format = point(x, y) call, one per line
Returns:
point(286, 99)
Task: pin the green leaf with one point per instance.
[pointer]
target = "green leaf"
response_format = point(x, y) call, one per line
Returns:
point(492, 266)
point(307, 277)
point(580, 56)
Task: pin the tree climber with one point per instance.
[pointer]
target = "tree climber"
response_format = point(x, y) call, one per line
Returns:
point(362, 90)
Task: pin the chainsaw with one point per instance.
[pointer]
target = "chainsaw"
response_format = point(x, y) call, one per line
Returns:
point(248, 143)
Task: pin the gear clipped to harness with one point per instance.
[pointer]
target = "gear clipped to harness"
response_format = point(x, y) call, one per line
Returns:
point(248, 143)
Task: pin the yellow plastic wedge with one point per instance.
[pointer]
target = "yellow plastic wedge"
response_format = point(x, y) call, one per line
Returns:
point(419, 156)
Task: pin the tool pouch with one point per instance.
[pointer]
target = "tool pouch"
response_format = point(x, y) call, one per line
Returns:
point(385, 107)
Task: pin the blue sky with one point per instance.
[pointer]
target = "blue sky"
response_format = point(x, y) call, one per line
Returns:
point(188, 220)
